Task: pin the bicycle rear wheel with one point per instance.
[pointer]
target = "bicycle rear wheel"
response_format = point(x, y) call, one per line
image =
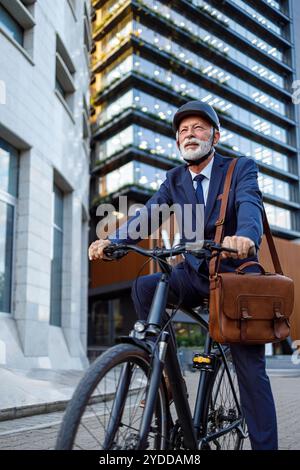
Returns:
point(223, 410)
point(105, 411)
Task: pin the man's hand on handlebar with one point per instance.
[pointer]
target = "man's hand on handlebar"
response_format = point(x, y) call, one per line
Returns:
point(96, 250)
point(234, 247)
point(244, 246)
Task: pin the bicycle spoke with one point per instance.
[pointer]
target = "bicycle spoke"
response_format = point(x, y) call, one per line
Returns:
point(99, 412)
point(223, 409)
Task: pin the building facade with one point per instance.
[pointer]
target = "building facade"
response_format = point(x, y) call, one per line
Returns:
point(44, 182)
point(150, 57)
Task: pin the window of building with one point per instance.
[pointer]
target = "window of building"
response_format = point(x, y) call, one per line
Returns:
point(185, 55)
point(116, 71)
point(107, 320)
point(258, 16)
point(274, 4)
point(8, 200)
point(132, 173)
point(253, 149)
point(11, 26)
point(115, 38)
point(57, 258)
point(208, 68)
point(106, 13)
point(274, 186)
point(278, 216)
point(64, 78)
point(16, 22)
point(85, 120)
point(240, 29)
point(73, 6)
point(116, 143)
point(87, 32)
point(116, 107)
point(110, 8)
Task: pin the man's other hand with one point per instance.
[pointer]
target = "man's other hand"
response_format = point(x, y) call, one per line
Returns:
point(96, 250)
point(241, 244)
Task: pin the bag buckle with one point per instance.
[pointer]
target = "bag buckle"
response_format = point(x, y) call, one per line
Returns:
point(277, 311)
point(219, 222)
point(245, 315)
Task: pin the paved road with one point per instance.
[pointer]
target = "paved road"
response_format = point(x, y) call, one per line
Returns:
point(39, 432)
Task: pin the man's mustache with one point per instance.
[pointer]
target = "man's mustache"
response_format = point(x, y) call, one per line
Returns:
point(191, 141)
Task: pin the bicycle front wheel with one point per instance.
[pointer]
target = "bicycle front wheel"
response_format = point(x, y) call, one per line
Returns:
point(225, 424)
point(105, 411)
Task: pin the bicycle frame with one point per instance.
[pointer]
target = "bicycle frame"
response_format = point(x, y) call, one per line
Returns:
point(165, 355)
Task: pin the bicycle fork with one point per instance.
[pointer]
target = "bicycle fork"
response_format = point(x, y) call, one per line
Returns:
point(153, 389)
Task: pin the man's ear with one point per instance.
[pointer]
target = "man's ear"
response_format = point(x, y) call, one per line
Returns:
point(177, 143)
point(216, 137)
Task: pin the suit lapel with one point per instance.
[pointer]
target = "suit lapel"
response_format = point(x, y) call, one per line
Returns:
point(217, 175)
point(188, 187)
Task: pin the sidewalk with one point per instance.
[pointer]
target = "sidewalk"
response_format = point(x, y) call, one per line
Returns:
point(39, 431)
point(39, 396)
point(285, 384)
point(25, 393)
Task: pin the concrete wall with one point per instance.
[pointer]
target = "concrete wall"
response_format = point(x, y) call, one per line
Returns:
point(52, 149)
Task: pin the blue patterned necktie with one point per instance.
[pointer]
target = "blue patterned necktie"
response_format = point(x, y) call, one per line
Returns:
point(199, 189)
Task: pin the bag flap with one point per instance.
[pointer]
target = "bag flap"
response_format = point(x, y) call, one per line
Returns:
point(262, 297)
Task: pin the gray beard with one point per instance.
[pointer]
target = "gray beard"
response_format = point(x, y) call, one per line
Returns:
point(203, 150)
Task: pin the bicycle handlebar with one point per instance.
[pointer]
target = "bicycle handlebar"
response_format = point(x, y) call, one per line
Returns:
point(200, 249)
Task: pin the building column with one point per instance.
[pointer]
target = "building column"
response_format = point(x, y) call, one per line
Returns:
point(84, 282)
point(32, 264)
point(73, 245)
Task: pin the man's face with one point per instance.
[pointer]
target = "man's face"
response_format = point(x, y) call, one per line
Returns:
point(192, 132)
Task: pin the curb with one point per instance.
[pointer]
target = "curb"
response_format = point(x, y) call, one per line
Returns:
point(30, 410)
point(283, 372)
point(41, 408)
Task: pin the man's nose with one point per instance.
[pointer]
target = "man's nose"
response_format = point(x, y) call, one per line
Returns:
point(191, 134)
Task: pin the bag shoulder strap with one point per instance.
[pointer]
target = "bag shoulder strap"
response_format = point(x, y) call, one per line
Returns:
point(215, 262)
point(271, 245)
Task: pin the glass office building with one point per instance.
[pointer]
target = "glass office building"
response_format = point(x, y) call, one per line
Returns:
point(152, 56)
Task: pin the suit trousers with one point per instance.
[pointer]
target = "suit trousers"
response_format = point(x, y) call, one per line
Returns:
point(187, 287)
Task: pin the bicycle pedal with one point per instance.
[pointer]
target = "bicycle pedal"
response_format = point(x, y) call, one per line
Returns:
point(204, 362)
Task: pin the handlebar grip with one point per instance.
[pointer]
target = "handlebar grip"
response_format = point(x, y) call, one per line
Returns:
point(112, 252)
point(252, 251)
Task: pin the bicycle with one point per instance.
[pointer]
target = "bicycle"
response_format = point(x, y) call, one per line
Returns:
point(106, 410)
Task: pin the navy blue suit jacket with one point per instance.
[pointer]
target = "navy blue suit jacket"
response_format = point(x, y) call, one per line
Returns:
point(244, 210)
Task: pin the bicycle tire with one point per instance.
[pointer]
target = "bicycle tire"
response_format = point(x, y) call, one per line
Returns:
point(221, 410)
point(116, 357)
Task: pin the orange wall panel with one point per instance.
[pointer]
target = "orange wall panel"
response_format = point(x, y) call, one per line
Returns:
point(289, 255)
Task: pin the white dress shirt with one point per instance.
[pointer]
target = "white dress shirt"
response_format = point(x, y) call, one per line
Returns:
point(205, 183)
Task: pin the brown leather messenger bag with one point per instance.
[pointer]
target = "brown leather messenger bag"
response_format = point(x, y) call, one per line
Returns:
point(249, 308)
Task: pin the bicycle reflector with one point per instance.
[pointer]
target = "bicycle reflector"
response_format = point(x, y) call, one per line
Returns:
point(204, 362)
